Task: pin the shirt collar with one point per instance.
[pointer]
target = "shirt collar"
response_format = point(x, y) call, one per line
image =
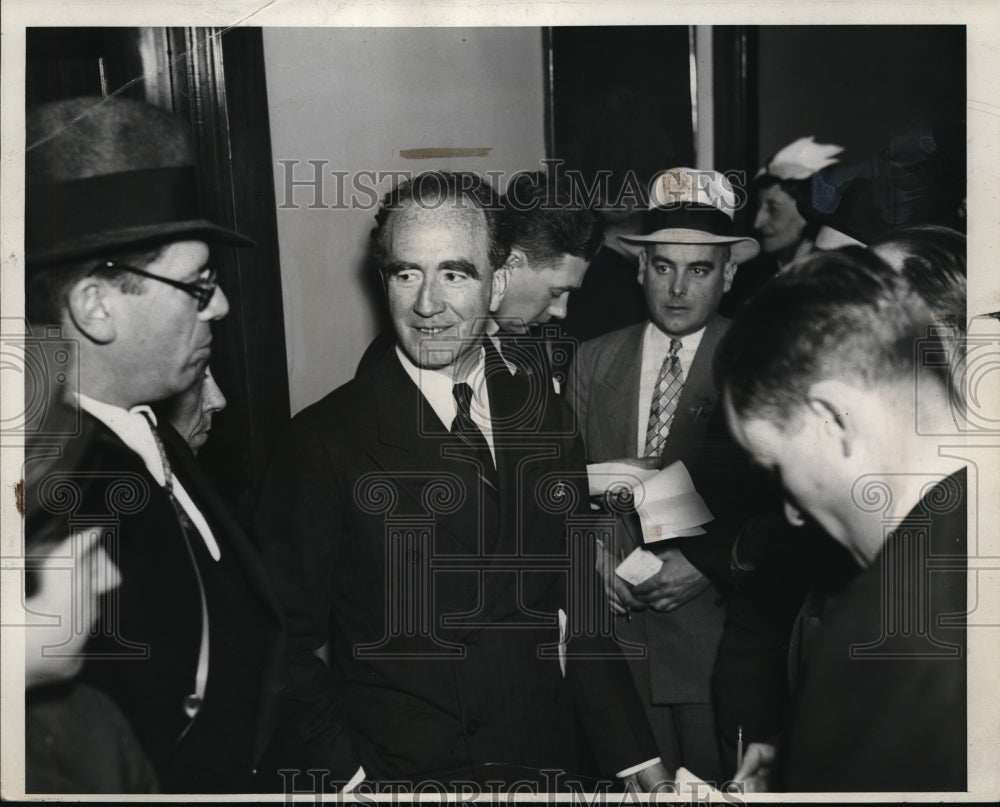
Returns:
point(436, 386)
point(659, 341)
point(132, 427)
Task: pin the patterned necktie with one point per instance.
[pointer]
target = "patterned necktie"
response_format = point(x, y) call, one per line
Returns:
point(669, 384)
point(466, 429)
point(192, 703)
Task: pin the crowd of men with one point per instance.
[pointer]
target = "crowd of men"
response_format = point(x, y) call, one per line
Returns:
point(428, 592)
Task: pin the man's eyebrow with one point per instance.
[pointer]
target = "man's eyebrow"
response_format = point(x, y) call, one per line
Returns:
point(460, 265)
point(395, 267)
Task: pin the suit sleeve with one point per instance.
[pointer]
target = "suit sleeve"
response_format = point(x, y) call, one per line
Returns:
point(297, 524)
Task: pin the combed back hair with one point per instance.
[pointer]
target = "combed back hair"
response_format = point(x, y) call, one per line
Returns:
point(434, 189)
point(47, 287)
point(934, 264)
point(843, 314)
point(545, 222)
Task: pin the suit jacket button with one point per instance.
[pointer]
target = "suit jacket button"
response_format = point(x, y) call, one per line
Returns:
point(720, 601)
point(472, 726)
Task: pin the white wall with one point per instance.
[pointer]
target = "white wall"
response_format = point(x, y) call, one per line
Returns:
point(356, 98)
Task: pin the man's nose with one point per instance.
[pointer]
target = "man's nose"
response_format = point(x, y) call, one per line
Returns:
point(428, 302)
point(678, 285)
point(557, 309)
point(217, 307)
point(759, 219)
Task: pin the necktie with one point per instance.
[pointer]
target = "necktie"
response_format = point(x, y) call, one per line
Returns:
point(669, 384)
point(192, 703)
point(465, 428)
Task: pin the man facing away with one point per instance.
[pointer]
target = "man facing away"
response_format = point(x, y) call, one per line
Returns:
point(415, 519)
point(117, 258)
point(833, 385)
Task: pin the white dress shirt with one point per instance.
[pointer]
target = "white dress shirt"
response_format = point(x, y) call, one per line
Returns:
point(436, 387)
point(133, 429)
point(655, 347)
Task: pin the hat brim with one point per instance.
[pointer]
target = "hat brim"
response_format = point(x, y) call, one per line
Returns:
point(98, 244)
point(743, 249)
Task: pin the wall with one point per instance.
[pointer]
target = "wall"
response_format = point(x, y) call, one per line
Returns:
point(855, 85)
point(355, 99)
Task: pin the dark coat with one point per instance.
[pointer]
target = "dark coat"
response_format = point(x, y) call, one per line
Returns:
point(436, 601)
point(882, 702)
point(145, 649)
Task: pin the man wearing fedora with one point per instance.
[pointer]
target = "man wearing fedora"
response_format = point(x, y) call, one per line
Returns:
point(189, 647)
point(646, 392)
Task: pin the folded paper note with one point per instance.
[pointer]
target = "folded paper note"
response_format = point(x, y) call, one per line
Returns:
point(666, 501)
point(640, 565)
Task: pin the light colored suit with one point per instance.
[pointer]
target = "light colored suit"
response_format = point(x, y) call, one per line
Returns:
point(603, 389)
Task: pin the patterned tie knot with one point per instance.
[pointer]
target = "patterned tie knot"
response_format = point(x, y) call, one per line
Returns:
point(675, 346)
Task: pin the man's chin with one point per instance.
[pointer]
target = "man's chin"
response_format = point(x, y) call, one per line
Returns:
point(439, 354)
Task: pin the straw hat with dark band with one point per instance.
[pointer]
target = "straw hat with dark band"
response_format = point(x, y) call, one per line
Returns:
point(690, 206)
point(108, 174)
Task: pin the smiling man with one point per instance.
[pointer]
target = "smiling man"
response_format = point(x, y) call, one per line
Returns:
point(402, 520)
point(647, 392)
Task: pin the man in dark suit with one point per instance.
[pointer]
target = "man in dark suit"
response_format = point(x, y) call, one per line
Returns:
point(647, 392)
point(418, 522)
point(189, 646)
point(834, 383)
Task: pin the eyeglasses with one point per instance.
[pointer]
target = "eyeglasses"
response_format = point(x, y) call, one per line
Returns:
point(203, 291)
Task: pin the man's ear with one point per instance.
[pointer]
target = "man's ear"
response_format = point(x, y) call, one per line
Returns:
point(516, 259)
point(728, 273)
point(642, 265)
point(90, 311)
point(501, 277)
point(833, 402)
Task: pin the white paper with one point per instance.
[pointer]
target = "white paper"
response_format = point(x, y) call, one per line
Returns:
point(603, 476)
point(640, 565)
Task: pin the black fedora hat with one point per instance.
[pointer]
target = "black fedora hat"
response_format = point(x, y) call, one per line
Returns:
point(107, 174)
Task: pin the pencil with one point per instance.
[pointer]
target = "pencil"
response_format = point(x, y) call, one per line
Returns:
point(739, 747)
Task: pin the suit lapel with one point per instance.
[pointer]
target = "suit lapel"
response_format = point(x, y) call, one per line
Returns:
point(698, 397)
point(618, 404)
point(413, 448)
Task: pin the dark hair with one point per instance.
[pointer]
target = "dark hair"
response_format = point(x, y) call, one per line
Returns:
point(432, 189)
point(542, 219)
point(47, 286)
point(799, 189)
point(843, 313)
point(934, 264)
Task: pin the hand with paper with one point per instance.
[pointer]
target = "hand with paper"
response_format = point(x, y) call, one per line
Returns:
point(676, 582)
point(618, 591)
point(665, 500)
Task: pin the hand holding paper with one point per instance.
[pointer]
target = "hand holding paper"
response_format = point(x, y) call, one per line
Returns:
point(676, 582)
point(666, 501)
